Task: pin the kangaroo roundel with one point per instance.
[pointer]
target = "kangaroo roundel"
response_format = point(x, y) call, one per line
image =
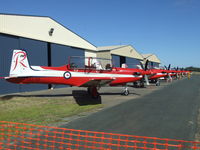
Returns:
point(67, 75)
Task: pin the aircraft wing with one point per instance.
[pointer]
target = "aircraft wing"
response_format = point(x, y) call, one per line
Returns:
point(96, 82)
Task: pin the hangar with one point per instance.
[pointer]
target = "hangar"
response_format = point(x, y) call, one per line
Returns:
point(47, 42)
point(120, 54)
point(154, 61)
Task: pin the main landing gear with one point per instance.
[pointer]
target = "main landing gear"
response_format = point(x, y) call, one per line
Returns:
point(93, 92)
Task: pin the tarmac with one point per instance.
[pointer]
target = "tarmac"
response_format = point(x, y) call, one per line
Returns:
point(168, 112)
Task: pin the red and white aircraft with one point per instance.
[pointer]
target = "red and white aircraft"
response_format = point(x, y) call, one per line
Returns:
point(154, 74)
point(91, 75)
point(168, 73)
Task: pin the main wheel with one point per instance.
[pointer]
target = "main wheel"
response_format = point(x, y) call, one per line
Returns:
point(141, 84)
point(93, 92)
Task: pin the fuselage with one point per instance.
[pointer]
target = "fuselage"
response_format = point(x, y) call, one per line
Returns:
point(75, 77)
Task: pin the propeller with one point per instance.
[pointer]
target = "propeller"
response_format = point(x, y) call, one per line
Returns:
point(146, 65)
point(145, 68)
point(170, 78)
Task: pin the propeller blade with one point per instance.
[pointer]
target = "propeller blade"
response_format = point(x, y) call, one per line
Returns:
point(169, 67)
point(146, 65)
point(165, 67)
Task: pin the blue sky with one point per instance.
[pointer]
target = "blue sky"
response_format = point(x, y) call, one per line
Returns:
point(168, 28)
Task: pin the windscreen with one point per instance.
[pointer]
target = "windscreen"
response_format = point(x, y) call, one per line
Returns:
point(77, 62)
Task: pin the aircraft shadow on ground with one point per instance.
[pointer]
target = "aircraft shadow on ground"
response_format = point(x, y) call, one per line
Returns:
point(83, 98)
point(80, 96)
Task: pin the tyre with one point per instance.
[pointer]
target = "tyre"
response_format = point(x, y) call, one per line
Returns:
point(126, 93)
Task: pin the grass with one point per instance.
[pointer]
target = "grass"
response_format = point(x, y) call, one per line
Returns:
point(36, 110)
point(41, 111)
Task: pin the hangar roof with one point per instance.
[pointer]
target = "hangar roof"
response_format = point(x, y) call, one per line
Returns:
point(151, 57)
point(40, 28)
point(121, 50)
point(109, 48)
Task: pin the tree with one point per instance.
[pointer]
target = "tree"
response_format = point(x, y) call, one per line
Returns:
point(191, 68)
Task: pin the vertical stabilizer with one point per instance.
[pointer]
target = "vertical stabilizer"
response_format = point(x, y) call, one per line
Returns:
point(19, 63)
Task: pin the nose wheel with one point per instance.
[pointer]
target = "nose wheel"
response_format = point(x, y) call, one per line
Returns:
point(125, 92)
point(158, 83)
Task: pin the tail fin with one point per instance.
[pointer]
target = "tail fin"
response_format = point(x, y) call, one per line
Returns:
point(19, 63)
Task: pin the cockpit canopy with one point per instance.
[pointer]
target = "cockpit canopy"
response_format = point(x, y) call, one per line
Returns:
point(79, 62)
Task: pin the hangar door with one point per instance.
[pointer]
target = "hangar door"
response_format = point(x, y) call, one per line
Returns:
point(118, 60)
point(132, 62)
point(36, 54)
point(60, 54)
point(153, 65)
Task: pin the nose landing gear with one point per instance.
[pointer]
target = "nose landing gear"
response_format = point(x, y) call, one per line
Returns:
point(125, 91)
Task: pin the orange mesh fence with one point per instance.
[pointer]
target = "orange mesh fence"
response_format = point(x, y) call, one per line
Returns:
point(21, 136)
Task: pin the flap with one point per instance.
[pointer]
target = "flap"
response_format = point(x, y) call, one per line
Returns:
point(96, 82)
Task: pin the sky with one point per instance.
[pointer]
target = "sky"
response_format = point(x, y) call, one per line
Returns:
point(168, 28)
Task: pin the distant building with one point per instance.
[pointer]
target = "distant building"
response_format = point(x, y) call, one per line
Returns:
point(120, 54)
point(154, 61)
